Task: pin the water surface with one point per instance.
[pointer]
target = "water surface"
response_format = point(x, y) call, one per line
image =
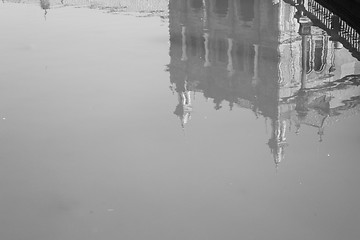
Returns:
point(189, 121)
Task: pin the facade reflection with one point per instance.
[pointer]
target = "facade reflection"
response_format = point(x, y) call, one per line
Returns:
point(263, 55)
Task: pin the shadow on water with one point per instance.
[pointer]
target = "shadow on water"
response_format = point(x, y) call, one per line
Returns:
point(266, 56)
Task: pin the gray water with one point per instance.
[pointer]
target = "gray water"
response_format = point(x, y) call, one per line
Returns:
point(152, 122)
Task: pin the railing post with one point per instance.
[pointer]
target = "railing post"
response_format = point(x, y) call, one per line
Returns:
point(335, 26)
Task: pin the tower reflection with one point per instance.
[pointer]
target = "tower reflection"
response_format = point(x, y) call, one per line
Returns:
point(266, 56)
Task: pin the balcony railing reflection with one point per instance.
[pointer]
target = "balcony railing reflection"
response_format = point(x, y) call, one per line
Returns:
point(336, 27)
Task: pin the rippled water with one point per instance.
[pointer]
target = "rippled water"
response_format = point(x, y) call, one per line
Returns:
point(180, 120)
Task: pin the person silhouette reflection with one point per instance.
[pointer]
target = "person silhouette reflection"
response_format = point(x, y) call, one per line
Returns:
point(45, 4)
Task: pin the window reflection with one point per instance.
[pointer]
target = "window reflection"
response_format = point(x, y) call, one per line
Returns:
point(197, 4)
point(319, 55)
point(221, 7)
point(245, 9)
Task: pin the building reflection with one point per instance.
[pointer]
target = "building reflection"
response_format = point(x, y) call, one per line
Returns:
point(265, 56)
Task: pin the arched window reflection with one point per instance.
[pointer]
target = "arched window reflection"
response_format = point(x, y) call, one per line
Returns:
point(240, 56)
point(245, 10)
point(319, 55)
point(194, 45)
point(221, 50)
point(316, 56)
point(196, 4)
point(251, 57)
point(221, 7)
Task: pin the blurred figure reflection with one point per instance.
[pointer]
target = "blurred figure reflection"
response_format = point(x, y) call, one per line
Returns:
point(45, 4)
